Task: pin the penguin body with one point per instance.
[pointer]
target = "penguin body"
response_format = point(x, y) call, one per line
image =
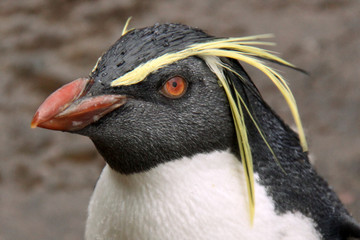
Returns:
point(201, 197)
point(156, 110)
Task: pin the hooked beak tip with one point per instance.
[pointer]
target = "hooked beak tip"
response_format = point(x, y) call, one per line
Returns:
point(33, 124)
point(35, 120)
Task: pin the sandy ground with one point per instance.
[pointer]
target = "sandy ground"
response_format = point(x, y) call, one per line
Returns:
point(46, 178)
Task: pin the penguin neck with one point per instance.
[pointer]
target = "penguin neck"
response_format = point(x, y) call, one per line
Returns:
point(285, 176)
point(283, 141)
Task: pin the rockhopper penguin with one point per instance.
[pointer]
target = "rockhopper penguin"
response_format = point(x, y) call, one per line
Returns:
point(192, 149)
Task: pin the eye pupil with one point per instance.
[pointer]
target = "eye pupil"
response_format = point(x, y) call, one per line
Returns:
point(174, 84)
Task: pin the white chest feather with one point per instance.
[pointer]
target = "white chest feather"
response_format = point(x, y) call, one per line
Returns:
point(203, 197)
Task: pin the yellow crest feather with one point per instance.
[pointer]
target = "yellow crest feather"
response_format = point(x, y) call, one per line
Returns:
point(125, 30)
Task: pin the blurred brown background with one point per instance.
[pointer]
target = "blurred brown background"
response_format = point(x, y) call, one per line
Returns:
point(46, 178)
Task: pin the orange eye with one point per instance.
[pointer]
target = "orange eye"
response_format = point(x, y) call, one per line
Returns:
point(174, 88)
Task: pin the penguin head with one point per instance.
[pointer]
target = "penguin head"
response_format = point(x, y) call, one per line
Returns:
point(178, 110)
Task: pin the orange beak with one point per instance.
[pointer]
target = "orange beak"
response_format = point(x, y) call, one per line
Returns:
point(68, 110)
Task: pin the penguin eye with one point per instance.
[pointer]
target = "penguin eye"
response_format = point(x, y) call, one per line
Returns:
point(174, 87)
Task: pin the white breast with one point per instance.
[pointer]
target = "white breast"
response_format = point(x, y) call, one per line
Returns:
point(203, 197)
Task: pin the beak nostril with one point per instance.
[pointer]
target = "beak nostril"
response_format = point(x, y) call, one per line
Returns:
point(90, 82)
